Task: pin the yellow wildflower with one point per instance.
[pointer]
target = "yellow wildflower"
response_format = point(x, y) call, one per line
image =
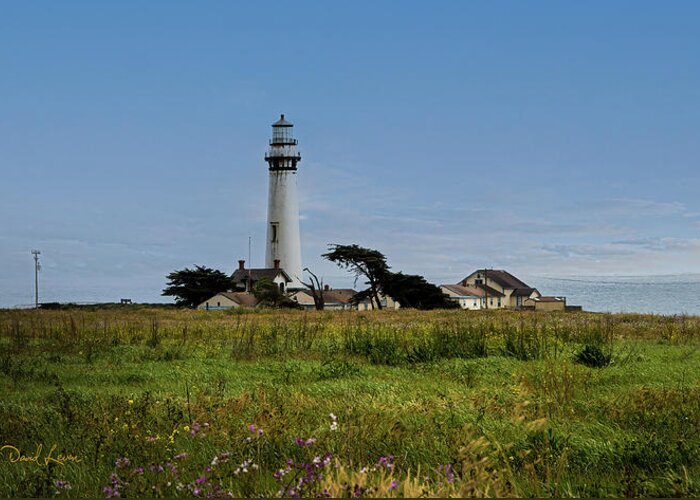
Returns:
point(186, 428)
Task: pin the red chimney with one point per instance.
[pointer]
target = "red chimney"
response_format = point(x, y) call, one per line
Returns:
point(241, 264)
point(277, 263)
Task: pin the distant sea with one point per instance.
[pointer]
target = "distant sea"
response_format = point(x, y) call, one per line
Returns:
point(667, 294)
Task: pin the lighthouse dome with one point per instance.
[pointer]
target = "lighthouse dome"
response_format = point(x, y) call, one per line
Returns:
point(282, 122)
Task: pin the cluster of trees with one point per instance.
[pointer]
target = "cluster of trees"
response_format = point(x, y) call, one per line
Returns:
point(191, 287)
point(410, 290)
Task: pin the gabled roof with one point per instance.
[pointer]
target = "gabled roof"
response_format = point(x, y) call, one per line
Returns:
point(340, 295)
point(524, 292)
point(465, 291)
point(241, 298)
point(242, 275)
point(490, 292)
point(502, 277)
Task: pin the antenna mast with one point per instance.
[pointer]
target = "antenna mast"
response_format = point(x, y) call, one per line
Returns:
point(37, 268)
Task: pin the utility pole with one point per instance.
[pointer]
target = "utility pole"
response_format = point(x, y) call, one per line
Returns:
point(37, 268)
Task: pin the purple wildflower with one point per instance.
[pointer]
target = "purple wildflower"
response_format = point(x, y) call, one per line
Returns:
point(62, 485)
point(386, 462)
point(394, 485)
point(201, 479)
point(255, 430)
point(194, 429)
point(304, 442)
point(110, 492)
point(122, 462)
point(305, 476)
point(446, 470)
point(138, 471)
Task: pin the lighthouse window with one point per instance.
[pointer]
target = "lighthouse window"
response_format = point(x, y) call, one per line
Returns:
point(273, 232)
point(281, 134)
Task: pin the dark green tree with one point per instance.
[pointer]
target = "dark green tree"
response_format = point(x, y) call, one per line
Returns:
point(191, 287)
point(363, 263)
point(409, 290)
point(269, 295)
point(412, 290)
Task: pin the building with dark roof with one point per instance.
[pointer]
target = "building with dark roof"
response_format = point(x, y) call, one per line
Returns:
point(245, 279)
point(502, 289)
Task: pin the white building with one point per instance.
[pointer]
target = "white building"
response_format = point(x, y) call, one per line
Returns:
point(283, 237)
point(471, 297)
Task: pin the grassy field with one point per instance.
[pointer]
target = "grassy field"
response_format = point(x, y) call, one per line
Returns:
point(158, 402)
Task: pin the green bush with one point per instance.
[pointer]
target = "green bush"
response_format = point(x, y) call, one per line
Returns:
point(593, 357)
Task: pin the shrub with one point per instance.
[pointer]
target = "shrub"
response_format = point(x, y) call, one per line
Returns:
point(593, 357)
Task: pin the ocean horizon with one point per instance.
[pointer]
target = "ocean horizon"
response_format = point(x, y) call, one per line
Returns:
point(668, 294)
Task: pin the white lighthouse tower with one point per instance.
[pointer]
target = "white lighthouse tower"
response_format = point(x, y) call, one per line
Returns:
point(283, 247)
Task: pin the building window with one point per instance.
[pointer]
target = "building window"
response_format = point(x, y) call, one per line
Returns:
point(499, 302)
point(218, 304)
point(274, 226)
point(478, 281)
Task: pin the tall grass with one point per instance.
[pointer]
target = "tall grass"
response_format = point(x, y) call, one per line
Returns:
point(386, 403)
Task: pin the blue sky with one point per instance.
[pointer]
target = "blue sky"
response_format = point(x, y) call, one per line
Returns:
point(548, 138)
